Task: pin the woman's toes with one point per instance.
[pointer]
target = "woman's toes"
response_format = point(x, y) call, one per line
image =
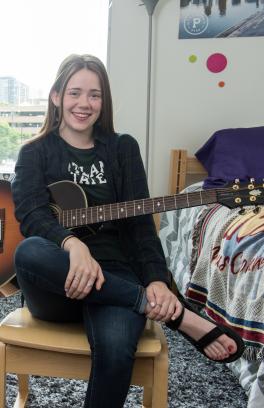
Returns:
point(213, 352)
point(218, 351)
point(221, 349)
point(228, 344)
point(232, 348)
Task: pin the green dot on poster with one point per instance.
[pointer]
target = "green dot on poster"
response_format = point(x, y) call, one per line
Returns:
point(192, 58)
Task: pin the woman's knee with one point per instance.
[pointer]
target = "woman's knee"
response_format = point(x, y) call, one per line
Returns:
point(27, 250)
point(35, 252)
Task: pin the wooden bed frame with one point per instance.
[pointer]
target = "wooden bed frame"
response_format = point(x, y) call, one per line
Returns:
point(184, 170)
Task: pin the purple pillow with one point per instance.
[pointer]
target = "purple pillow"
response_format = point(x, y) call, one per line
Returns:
point(233, 153)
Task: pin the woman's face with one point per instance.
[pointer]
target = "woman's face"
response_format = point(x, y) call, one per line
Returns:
point(82, 103)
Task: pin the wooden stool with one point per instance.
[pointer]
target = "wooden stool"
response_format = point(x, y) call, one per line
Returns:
point(32, 346)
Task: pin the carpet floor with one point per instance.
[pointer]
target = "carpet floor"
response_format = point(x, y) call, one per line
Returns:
point(194, 381)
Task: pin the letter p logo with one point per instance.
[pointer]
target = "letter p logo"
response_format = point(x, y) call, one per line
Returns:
point(196, 22)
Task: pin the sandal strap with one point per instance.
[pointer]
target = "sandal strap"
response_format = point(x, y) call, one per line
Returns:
point(209, 337)
point(174, 324)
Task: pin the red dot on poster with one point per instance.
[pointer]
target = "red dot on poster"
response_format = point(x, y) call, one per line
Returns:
point(216, 63)
point(221, 84)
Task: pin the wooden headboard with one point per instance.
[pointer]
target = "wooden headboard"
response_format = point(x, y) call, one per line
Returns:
point(184, 170)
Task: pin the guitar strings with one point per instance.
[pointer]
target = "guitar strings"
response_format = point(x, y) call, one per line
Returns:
point(176, 201)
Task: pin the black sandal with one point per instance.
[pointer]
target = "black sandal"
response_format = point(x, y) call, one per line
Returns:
point(209, 337)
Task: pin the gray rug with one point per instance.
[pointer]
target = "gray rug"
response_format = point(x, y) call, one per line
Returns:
point(194, 381)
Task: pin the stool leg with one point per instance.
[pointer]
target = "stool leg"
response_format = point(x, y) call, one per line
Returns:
point(160, 383)
point(2, 375)
point(22, 395)
point(147, 397)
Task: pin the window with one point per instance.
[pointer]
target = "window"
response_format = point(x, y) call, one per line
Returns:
point(44, 34)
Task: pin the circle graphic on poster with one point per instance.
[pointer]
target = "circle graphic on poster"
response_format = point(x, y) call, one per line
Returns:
point(195, 24)
point(192, 58)
point(216, 63)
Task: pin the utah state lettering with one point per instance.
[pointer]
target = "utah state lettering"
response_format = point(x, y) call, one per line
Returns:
point(92, 175)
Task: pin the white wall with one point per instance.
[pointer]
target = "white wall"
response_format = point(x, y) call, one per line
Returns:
point(187, 105)
point(127, 67)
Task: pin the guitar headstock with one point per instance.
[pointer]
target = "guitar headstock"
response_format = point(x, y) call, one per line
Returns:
point(241, 194)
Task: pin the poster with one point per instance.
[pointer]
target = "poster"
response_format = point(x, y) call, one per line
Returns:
point(221, 18)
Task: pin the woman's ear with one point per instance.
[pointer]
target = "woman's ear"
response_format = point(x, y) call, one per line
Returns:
point(55, 97)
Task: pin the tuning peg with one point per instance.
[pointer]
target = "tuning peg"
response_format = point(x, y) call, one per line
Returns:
point(256, 209)
point(251, 186)
point(242, 211)
point(236, 185)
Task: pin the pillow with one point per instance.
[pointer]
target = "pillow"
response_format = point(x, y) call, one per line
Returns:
point(233, 153)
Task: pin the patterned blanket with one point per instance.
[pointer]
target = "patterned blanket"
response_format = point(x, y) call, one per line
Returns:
point(227, 272)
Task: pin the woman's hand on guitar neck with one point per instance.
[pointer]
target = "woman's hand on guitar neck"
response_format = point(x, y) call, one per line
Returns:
point(84, 271)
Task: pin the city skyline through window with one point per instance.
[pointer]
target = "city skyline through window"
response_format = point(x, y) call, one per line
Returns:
point(39, 35)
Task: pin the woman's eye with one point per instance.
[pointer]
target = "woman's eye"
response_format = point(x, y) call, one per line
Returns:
point(74, 93)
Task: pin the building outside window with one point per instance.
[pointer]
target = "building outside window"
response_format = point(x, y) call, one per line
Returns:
point(25, 79)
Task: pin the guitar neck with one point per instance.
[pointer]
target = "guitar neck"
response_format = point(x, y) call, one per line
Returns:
point(109, 212)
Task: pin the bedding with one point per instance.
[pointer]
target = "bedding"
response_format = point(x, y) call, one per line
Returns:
point(228, 154)
point(220, 265)
point(227, 272)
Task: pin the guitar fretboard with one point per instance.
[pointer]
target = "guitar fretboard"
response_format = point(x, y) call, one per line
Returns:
point(108, 212)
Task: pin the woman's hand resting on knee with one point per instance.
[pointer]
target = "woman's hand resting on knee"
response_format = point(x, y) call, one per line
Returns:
point(84, 271)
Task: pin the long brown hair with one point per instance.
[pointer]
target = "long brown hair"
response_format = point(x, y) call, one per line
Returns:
point(72, 64)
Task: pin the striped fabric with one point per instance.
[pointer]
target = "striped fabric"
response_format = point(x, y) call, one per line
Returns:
point(176, 237)
point(227, 275)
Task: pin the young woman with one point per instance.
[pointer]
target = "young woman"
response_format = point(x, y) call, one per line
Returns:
point(114, 275)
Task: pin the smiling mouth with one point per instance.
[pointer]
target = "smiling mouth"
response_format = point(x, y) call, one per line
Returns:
point(81, 116)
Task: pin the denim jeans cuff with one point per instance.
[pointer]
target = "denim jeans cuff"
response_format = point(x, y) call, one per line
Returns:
point(142, 301)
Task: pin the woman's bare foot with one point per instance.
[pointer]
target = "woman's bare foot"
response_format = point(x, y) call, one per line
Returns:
point(196, 327)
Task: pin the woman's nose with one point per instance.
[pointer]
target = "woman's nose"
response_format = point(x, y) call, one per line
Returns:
point(85, 100)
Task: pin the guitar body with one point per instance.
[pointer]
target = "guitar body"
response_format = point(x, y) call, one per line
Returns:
point(10, 234)
point(64, 195)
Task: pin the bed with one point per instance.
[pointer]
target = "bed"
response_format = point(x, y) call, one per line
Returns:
point(216, 256)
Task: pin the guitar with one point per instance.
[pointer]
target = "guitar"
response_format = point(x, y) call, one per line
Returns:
point(69, 204)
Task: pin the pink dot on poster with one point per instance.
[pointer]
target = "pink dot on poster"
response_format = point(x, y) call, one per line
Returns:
point(216, 63)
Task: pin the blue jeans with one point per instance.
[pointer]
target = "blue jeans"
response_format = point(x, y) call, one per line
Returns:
point(111, 316)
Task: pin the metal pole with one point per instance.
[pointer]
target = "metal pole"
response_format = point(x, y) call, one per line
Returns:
point(148, 95)
point(150, 6)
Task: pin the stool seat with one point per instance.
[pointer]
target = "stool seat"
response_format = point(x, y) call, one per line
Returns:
point(61, 337)
point(30, 346)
